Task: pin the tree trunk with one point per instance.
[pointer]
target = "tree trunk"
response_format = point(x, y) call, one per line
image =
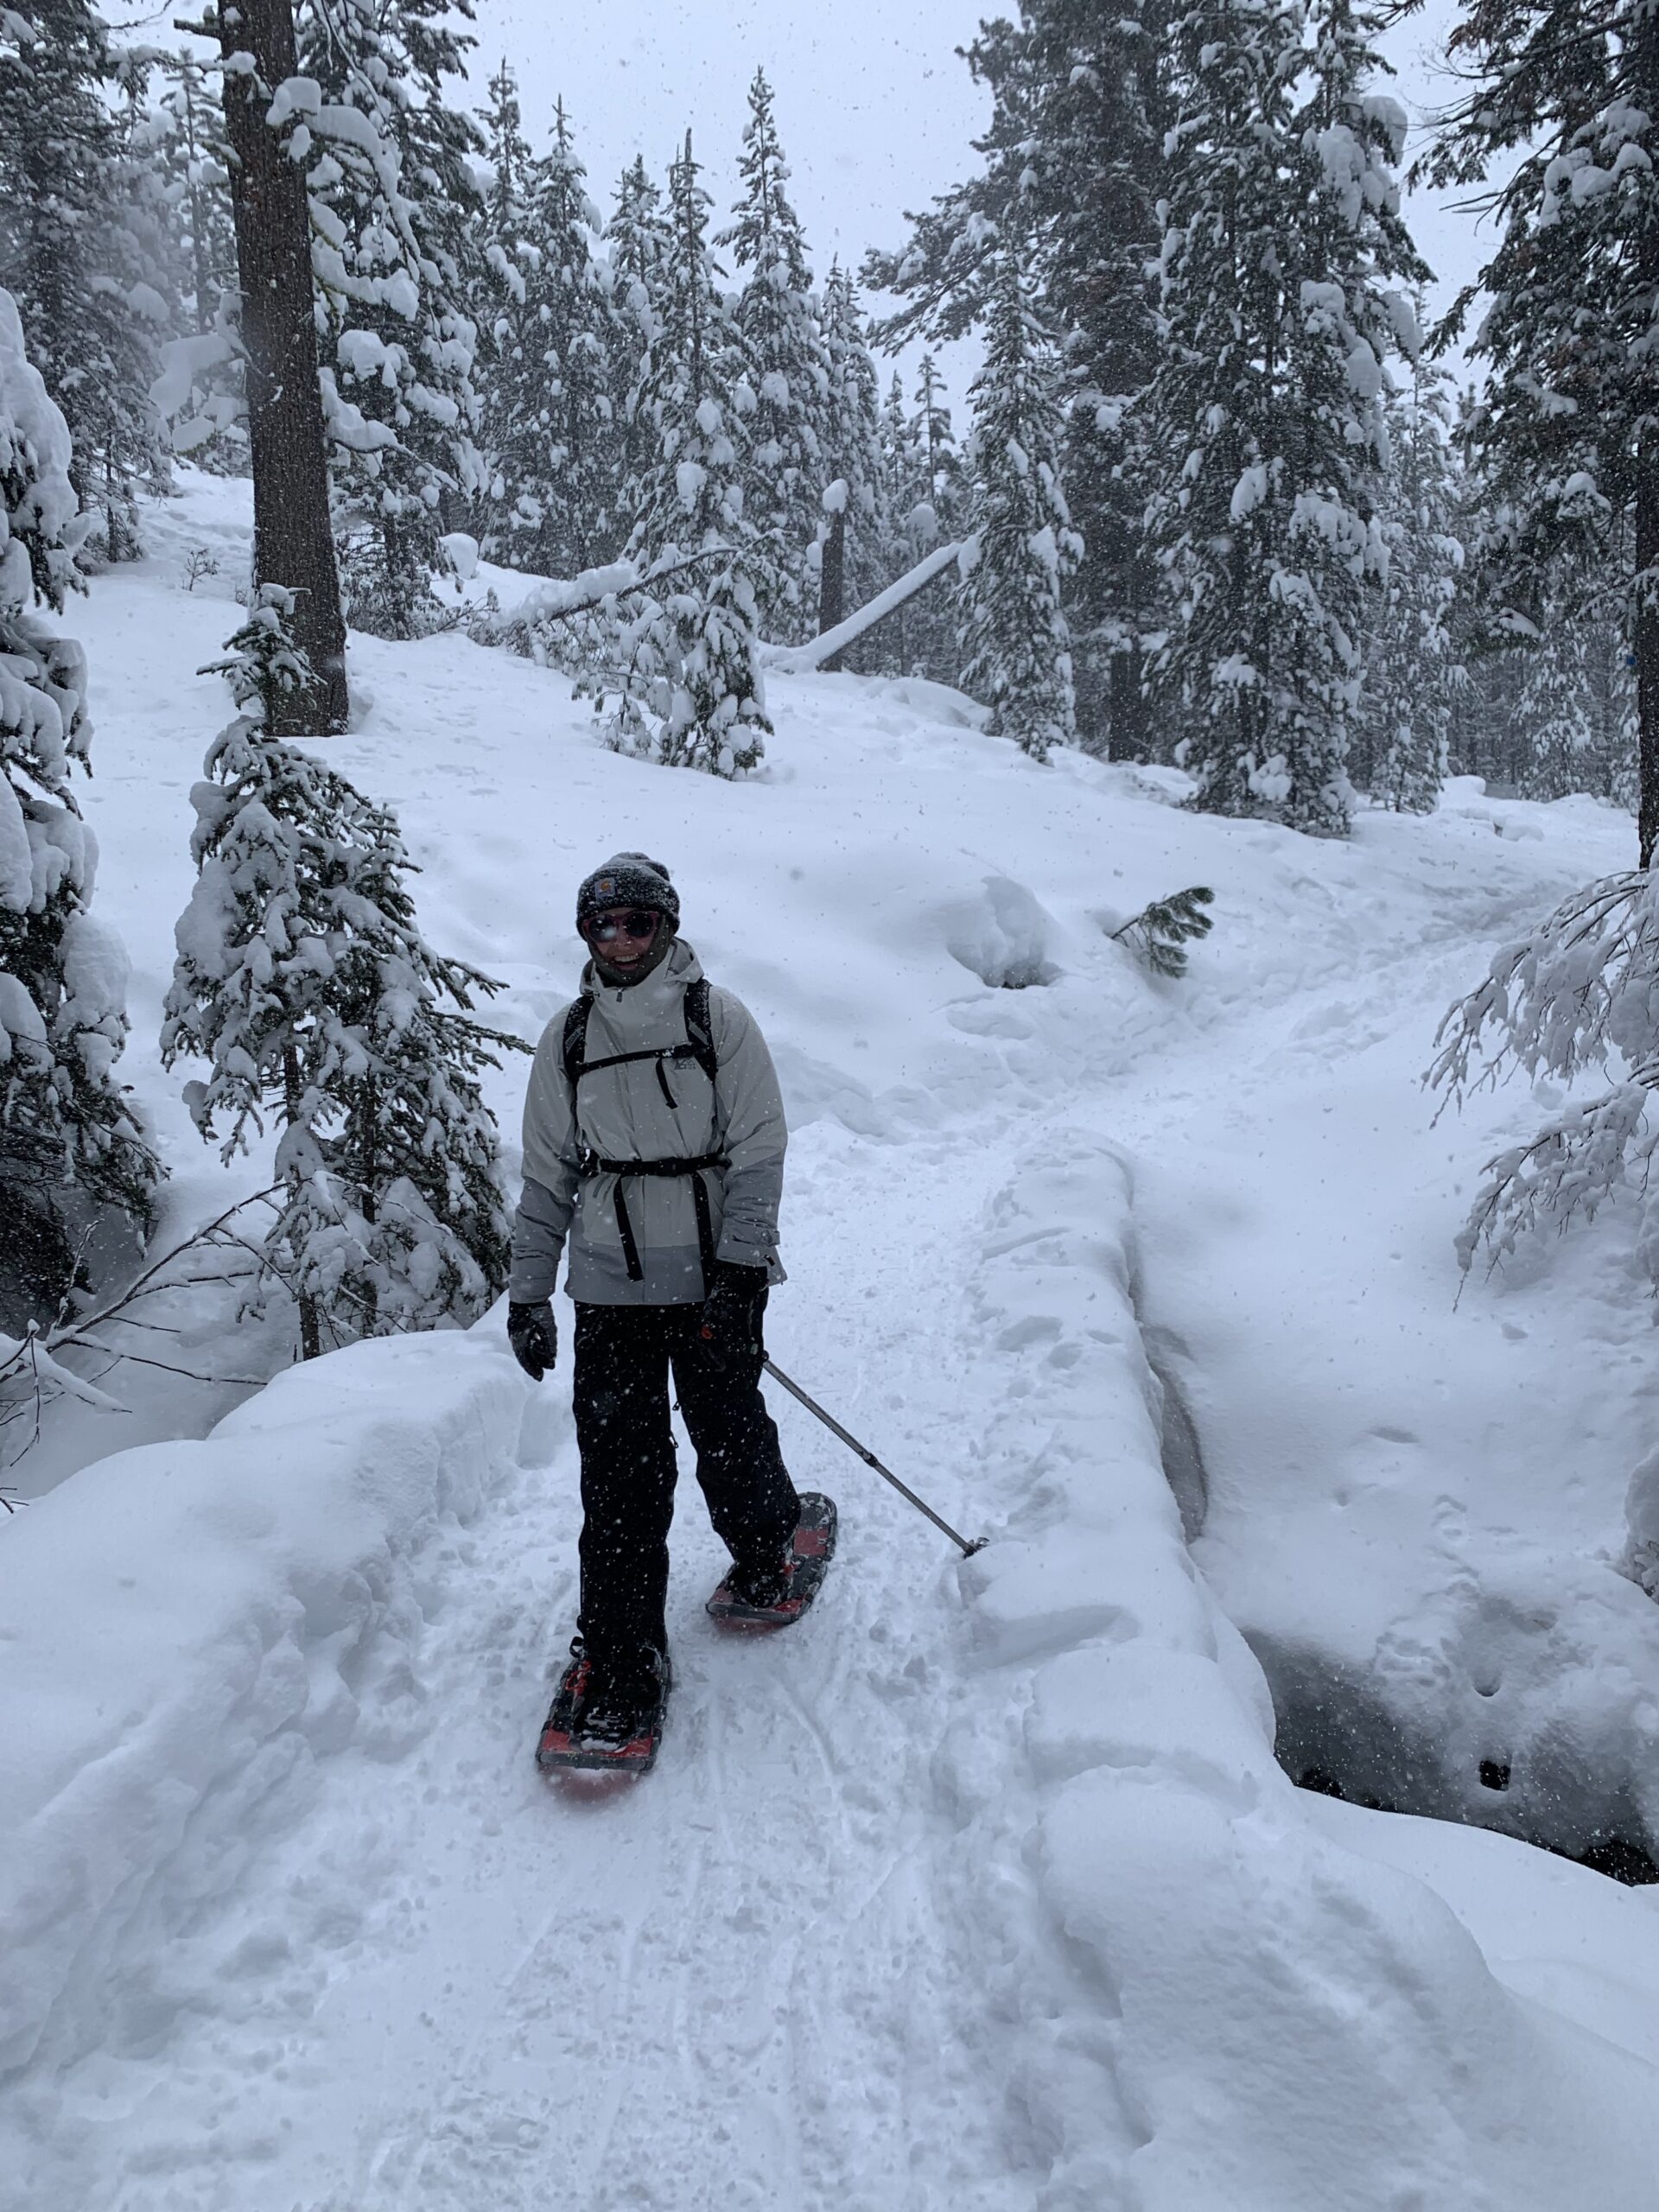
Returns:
point(1647, 652)
point(293, 544)
point(310, 1329)
point(832, 579)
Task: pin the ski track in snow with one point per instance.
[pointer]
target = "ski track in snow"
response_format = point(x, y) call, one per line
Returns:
point(801, 1964)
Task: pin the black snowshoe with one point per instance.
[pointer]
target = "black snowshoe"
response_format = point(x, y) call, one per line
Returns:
point(604, 1728)
point(774, 1598)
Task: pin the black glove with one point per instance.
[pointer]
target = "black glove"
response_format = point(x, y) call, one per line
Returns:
point(534, 1336)
point(729, 1324)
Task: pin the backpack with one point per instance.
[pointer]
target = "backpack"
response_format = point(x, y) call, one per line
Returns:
point(699, 1046)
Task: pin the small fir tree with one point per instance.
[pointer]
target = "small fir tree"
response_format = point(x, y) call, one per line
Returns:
point(303, 980)
point(1013, 639)
point(690, 687)
point(71, 1148)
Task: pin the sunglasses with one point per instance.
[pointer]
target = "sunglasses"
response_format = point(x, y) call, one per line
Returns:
point(642, 926)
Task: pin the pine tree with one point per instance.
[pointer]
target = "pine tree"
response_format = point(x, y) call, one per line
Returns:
point(557, 442)
point(70, 1146)
point(790, 370)
point(853, 526)
point(1072, 160)
point(637, 241)
point(507, 151)
point(397, 218)
point(182, 145)
point(302, 979)
point(76, 272)
point(1413, 675)
point(1265, 415)
point(1562, 432)
point(1015, 642)
point(691, 691)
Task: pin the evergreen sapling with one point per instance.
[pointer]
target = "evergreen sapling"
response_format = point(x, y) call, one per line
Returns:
point(302, 979)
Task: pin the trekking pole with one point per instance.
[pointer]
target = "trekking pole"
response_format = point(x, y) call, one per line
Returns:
point(870, 1461)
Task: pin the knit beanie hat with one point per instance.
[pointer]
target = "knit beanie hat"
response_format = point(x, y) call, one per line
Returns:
point(628, 880)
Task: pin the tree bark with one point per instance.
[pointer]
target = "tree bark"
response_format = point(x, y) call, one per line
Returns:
point(832, 579)
point(1647, 652)
point(310, 1326)
point(293, 544)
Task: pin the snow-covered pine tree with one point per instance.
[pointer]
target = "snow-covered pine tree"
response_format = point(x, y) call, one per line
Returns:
point(911, 525)
point(303, 980)
point(506, 150)
point(690, 685)
point(397, 219)
point(498, 306)
point(91, 318)
point(930, 620)
point(853, 526)
point(186, 145)
point(1264, 420)
point(637, 245)
point(1081, 102)
point(1016, 646)
point(1413, 675)
point(1563, 430)
point(789, 370)
point(1576, 713)
point(555, 446)
point(70, 1145)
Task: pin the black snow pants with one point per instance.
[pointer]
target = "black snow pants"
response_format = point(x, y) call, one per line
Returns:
point(623, 1358)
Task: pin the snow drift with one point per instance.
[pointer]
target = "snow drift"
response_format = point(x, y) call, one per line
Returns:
point(190, 1629)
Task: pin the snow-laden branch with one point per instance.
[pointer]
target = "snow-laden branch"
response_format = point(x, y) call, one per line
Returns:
point(796, 659)
point(559, 598)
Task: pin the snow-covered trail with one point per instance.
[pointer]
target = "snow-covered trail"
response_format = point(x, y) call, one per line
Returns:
point(451, 1985)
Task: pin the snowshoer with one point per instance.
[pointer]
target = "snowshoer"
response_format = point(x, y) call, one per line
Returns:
point(654, 1147)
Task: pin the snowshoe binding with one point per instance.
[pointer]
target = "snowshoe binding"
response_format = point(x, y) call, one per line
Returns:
point(773, 1599)
point(604, 1728)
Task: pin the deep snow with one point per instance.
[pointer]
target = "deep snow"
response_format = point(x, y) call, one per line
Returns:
point(983, 1888)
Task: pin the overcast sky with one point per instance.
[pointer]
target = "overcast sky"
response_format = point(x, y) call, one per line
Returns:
point(876, 112)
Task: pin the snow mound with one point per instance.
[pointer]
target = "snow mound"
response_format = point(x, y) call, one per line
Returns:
point(1227, 2005)
point(192, 1627)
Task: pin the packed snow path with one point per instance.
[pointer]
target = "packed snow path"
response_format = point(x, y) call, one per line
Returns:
point(452, 1985)
point(979, 1889)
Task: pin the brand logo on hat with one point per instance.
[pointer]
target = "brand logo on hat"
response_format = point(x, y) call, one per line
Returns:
point(605, 885)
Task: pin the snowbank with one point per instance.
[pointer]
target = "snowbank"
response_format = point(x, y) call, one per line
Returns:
point(1234, 2001)
point(190, 1628)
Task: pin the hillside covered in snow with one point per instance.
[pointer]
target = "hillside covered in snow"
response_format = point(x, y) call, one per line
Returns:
point(983, 1889)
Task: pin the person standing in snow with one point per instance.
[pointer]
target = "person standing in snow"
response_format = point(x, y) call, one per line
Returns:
point(654, 1145)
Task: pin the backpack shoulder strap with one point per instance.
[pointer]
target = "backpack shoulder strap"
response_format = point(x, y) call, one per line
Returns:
point(699, 1027)
point(574, 1050)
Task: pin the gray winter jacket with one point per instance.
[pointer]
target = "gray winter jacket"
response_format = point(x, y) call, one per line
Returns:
point(622, 1114)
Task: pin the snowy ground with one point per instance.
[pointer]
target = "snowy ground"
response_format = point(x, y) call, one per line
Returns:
point(982, 1891)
